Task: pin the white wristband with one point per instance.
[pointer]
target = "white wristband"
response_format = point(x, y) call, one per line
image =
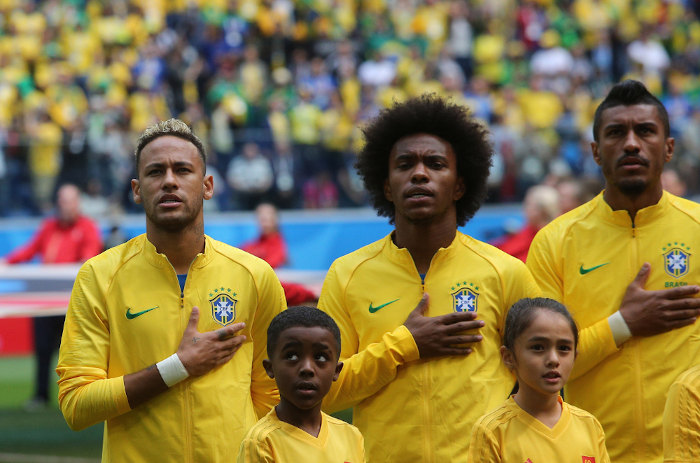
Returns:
point(172, 370)
point(620, 331)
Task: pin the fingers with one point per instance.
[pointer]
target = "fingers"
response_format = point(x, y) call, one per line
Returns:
point(642, 276)
point(227, 332)
point(455, 318)
point(193, 321)
point(681, 292)
point(463, 326)
point(421, 307)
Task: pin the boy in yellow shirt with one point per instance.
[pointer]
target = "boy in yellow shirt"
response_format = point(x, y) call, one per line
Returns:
point(303, 346)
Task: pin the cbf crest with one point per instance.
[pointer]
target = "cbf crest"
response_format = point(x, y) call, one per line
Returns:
point(676, 259)
point(464, 297)
point(223, 305)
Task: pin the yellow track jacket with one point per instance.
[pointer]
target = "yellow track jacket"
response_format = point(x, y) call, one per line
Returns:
point(586, 258)
point(126, 313)
point(412, 410)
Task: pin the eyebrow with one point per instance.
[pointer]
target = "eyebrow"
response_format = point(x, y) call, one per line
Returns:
point(544, 338)
point(175, 164)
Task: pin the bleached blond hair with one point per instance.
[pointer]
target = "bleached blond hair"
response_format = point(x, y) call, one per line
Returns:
point(172, 127)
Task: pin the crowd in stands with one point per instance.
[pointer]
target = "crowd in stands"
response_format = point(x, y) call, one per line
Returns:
point(279, 88)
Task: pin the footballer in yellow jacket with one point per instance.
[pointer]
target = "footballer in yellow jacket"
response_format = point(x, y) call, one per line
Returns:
point(420, 410)
point(123, 308)
point(585, 259)
point(625, 265)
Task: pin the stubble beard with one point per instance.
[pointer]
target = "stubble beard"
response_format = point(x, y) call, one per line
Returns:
point(632, 187)
point(176, 223)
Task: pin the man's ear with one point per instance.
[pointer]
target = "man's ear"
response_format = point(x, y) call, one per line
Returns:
point(208, 186)
point(594, 150)
point(267, 365)
point(670, 145)
point(338, 368)
point(136, 190)
point(508, 358)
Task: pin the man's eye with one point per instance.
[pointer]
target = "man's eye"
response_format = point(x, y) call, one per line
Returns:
point(322, 357)
point(291, 356)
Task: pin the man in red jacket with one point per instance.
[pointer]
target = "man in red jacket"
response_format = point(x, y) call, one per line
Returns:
point(68, 237)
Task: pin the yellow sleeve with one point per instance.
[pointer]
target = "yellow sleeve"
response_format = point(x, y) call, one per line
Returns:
point(681, 421)
point(483, 446)
point(271, 301)
point(365, 372)
point(252, 451)
point(596, 341)
point(85, 394)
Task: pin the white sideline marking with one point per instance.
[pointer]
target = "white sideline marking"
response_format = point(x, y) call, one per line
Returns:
point(23, 458)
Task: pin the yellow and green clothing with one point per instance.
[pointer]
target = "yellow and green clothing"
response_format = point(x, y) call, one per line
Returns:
point(407, 408)
point(585, 259)
point(510, 434)
point(272, 440)
point(127, 312)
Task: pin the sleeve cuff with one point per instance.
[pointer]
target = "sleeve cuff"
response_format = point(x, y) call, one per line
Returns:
point(402, 341)
point(619, 328)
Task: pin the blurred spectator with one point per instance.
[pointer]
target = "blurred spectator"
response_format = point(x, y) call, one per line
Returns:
point(671, 182)
point(575, 191)
point(269, 245)
point(268, 71)
point(68, 237)
point(541, 206)
point(250, 176)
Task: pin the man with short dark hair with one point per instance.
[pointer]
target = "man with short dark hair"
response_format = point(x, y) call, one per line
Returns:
point(168, 396)
point(417, 382)
point(637, 337)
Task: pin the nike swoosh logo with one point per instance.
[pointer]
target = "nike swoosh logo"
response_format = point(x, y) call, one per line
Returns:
point(583, 271)
point(374, 309)
point(131, 315)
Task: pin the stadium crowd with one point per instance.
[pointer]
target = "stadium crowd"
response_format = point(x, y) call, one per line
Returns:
point(279, 89)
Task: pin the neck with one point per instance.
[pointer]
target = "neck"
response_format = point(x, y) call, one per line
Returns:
point(308, 421)
point(180, 247)
point(423, 240)
point(544, 408)
point(617, 200)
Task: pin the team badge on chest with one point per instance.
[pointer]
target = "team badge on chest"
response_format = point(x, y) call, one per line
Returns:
point(464, 297)
point(676, 259)
point(223, 305)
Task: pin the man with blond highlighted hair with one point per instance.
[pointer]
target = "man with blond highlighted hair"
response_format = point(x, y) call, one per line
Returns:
point(164, 395)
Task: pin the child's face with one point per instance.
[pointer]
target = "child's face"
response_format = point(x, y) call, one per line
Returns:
point(304, 365)
point(543, 355)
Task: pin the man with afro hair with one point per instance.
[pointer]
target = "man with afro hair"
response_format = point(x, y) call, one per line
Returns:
point(421, 311)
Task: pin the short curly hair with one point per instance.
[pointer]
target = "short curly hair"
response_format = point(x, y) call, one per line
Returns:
point(432, 115)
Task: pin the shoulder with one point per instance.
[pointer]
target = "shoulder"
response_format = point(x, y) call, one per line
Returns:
point(497, 417)
point(348, 263)
point(562, 224)
point(582, 415)
point(235, 256)
point(337, 426)
point(689, 378)
point(501, 262)
point(265, 426)
point(685, 206)
point(111, 260)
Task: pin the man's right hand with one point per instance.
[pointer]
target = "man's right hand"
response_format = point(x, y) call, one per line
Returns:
point(201, 352)
point(439, 336)
point(652, 312)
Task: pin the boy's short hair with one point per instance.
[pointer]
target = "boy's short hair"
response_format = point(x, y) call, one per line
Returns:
point(301, 315)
